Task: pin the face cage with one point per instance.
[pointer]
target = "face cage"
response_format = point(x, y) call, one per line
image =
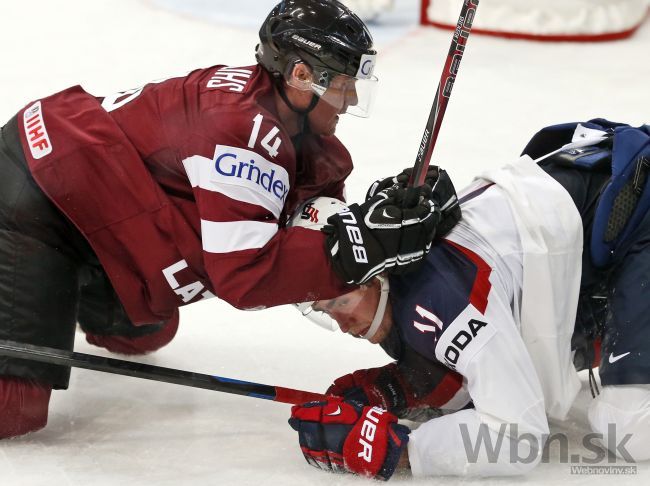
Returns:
point(325, 321)
point(346, 94)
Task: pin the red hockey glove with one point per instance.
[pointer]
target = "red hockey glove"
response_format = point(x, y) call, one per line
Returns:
point(346, 437)
point(389, 387)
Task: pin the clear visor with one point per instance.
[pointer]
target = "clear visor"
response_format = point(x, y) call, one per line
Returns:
point(345, 93)
point(362, 309)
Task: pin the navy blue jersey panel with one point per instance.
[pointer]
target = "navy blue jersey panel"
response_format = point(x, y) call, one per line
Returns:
point(442, 287)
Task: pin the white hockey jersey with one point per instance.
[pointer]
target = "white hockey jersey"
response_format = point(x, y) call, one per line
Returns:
point(497, 302)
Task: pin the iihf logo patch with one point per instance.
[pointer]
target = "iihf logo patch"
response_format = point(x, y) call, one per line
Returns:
point(309, 212)
point(35, 132)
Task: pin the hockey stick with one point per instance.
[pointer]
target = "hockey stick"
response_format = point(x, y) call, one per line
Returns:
point(156, 373)
point(449, 72)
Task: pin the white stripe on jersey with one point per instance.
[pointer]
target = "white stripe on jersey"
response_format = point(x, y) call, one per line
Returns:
point(235, 235)
point(199, 171)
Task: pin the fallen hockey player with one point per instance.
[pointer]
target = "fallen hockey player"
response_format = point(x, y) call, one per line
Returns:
point(552, 255)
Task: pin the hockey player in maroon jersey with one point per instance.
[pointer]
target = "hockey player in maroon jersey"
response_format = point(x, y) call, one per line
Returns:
point(117, 210)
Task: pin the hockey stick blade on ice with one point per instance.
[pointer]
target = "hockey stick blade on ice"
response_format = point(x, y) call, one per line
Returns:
point(449, 72)
point(156, 373)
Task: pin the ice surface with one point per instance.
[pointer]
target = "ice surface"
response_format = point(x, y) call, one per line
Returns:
point(111, 430)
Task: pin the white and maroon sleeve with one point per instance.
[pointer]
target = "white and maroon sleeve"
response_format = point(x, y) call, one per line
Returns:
point(251, 261)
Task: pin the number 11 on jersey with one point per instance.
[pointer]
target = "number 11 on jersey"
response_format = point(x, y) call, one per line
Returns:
point(429, 316)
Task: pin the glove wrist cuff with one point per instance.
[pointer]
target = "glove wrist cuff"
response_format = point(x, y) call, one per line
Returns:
point(394, 453)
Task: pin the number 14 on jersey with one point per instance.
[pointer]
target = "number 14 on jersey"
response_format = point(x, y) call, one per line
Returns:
point(271, 142)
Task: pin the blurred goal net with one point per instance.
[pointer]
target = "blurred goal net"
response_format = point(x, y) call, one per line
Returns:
point(552, 20)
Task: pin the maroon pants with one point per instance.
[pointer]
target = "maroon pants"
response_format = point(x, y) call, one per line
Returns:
point(50, 280)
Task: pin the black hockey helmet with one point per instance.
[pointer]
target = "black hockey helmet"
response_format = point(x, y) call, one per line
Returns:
point(325, 35)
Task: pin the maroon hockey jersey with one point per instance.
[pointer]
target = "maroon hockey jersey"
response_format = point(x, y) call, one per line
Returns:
point(182, 186)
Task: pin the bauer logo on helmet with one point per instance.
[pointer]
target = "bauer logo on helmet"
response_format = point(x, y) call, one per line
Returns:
point(314, 46)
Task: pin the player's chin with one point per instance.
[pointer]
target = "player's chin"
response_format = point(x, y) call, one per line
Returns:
point(331, 128)
point(334, 124)
point(328, 128)
point(360, 334)
point(379, 336)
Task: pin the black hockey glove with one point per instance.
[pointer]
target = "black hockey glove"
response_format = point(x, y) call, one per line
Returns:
point(391, 231)
point(443, 192)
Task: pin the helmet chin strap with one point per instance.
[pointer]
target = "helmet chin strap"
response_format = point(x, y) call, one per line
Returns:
point(381, 308)
point(303, 121)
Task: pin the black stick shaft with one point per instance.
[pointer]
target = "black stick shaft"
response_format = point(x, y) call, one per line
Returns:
point(155, 373)
point(449, 72)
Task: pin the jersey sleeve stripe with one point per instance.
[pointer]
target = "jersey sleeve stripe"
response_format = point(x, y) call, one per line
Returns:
point(235, 235)
point(446, 390)
point(474, 193)
point(199, 170)
point(481, 288)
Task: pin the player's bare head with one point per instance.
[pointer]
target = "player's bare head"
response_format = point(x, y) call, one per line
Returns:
point(320, 48)
point(363, 313)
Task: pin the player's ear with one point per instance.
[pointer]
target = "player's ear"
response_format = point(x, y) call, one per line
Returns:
point(300, 76)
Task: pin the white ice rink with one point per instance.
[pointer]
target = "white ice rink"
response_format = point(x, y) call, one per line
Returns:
point(111, 430)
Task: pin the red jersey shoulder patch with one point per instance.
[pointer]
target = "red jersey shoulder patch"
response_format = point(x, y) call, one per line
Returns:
point(35, 132)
